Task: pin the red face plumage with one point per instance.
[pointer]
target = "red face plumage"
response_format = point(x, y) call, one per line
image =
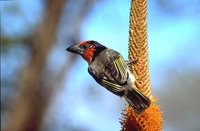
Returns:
point(89, 50)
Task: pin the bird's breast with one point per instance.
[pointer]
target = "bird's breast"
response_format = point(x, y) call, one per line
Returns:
point(97, 68)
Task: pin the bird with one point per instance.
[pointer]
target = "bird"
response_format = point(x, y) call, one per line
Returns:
point(110, 70)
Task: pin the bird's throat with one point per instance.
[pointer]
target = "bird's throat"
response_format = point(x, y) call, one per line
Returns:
point(88, 55)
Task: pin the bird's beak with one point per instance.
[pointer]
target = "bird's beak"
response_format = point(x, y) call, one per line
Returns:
point(75, 49)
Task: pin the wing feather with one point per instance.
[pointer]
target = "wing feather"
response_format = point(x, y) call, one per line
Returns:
point(112, 87)
point(118, 70)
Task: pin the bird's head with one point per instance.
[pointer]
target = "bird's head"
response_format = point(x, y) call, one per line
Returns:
point(87, 49)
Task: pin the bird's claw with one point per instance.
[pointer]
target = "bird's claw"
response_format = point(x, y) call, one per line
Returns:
point(131, 62)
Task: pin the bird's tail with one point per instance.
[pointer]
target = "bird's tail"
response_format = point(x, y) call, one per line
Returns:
point(137, 100)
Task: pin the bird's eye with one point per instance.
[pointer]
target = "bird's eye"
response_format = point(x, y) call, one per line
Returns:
point(84, 46)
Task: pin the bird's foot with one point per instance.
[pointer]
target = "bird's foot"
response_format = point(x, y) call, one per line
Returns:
point(131, 62)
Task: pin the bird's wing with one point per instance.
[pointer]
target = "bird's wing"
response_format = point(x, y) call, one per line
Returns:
point(109, 84)
point(117, 69)
point(115, 75)
point(113, 87)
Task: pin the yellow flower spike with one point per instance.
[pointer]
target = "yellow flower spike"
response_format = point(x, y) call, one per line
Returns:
point(151, 119)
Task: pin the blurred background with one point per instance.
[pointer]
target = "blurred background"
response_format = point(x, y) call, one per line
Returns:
point(46, 88)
